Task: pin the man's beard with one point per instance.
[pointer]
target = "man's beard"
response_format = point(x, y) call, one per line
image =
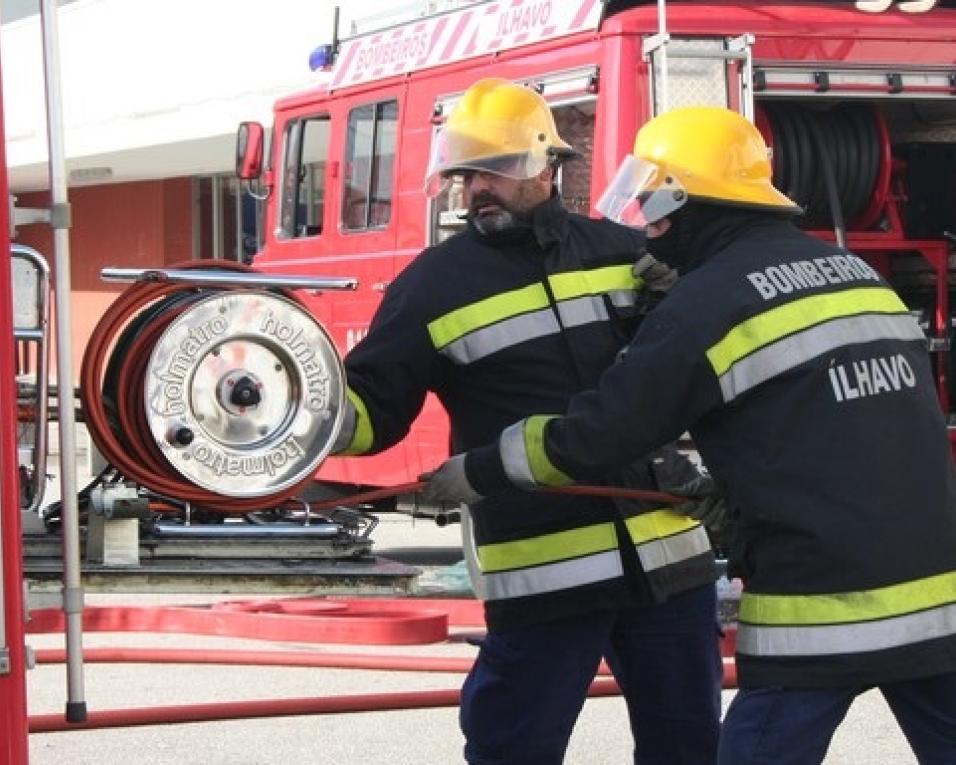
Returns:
point(492, 223)
point(495, 223)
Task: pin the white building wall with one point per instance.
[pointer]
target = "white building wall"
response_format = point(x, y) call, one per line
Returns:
point(155, 88)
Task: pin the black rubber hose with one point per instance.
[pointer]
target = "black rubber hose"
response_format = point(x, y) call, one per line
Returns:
point(864, 136)
point(829, 179)
point(814, 190)
point(809, 144)
point(797, 165)
point(846, 155)
point(780, 165)
point(869, 117)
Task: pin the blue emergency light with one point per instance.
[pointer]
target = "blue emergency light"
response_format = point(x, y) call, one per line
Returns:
point(321, 57)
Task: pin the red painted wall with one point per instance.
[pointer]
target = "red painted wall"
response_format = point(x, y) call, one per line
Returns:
point(131, 225)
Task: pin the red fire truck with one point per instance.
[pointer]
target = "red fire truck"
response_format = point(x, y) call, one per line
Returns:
point(857, 100)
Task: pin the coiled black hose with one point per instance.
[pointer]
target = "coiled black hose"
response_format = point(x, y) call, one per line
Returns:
point(828, 161)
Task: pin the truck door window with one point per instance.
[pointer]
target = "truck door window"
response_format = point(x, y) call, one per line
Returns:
point(369, 161)
point(575, 123)
point(303, 185)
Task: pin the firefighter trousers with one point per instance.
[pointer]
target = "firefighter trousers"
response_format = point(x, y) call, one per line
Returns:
point(527, 686)
point(793, 726)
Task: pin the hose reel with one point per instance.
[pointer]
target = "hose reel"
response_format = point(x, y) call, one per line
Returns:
point(849, 143)
point(227, 397)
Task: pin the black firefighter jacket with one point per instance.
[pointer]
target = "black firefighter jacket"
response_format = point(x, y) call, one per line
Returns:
point(502, 328)
point(808, 390)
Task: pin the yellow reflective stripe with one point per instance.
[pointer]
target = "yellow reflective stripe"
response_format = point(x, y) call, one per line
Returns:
point(786, 319)
point(547, 548)
point(448, 328)
point(572, 284)
point(656, 524)
point(543, 472)
point(363, 436)
point(843, 607)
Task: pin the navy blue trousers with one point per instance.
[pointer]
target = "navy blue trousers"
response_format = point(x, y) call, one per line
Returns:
point(527, 686)
point(793, 726)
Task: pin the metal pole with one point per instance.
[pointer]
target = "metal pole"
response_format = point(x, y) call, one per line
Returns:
point(212, 278)
point(662, 31)
point(60, 221)
point(237, 195)
point(216, 191)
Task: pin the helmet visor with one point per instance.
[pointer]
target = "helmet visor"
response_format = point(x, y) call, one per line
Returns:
point(640, 193)
point(504, 150)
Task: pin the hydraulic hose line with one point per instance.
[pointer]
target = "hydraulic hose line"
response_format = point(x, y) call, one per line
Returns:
point(305, 659)
point(239, 710)
point(619, 492)
point(261, 708)
point(112, 379)
point(834, 163)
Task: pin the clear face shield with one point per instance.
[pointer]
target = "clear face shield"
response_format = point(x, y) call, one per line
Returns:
point(504, 150)
point(641, 193)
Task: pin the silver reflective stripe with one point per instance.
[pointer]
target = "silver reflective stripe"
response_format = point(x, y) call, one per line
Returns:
point(583, 310)
point(623, 298)
point(487, 340)
point(797, 349)
point(514, 456)
point(553, 576)
point(658, 553)
point(575, 312)
point(831, 639)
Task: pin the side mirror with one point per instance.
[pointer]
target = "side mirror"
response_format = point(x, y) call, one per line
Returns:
point(249, 142)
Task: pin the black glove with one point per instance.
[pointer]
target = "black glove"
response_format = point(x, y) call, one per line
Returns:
point(706, 504)
point(657, 276)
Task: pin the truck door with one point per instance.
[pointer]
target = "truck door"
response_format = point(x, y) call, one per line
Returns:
point(335, 215)
point(368, 215)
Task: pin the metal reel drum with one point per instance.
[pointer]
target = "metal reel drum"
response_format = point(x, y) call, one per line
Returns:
point(244, 394)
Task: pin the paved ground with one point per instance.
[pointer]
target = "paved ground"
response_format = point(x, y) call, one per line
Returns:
point(417, 737)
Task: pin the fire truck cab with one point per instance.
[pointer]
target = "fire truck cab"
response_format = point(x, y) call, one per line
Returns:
point(858, 97)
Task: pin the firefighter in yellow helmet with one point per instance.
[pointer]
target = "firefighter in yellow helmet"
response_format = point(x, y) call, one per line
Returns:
point(701, 153)
point(500, 128)
point(514, 315)
point(806, 386)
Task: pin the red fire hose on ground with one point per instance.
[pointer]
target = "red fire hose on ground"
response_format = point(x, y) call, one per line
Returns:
point(386, 621)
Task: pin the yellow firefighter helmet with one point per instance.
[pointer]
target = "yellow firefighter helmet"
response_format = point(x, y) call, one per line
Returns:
point(497, 127)
point(706, 153)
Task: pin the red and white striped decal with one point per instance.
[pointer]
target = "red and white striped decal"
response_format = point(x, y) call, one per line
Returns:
point(469, 32)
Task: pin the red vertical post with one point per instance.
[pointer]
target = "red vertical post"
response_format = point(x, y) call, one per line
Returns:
point(13, 705)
